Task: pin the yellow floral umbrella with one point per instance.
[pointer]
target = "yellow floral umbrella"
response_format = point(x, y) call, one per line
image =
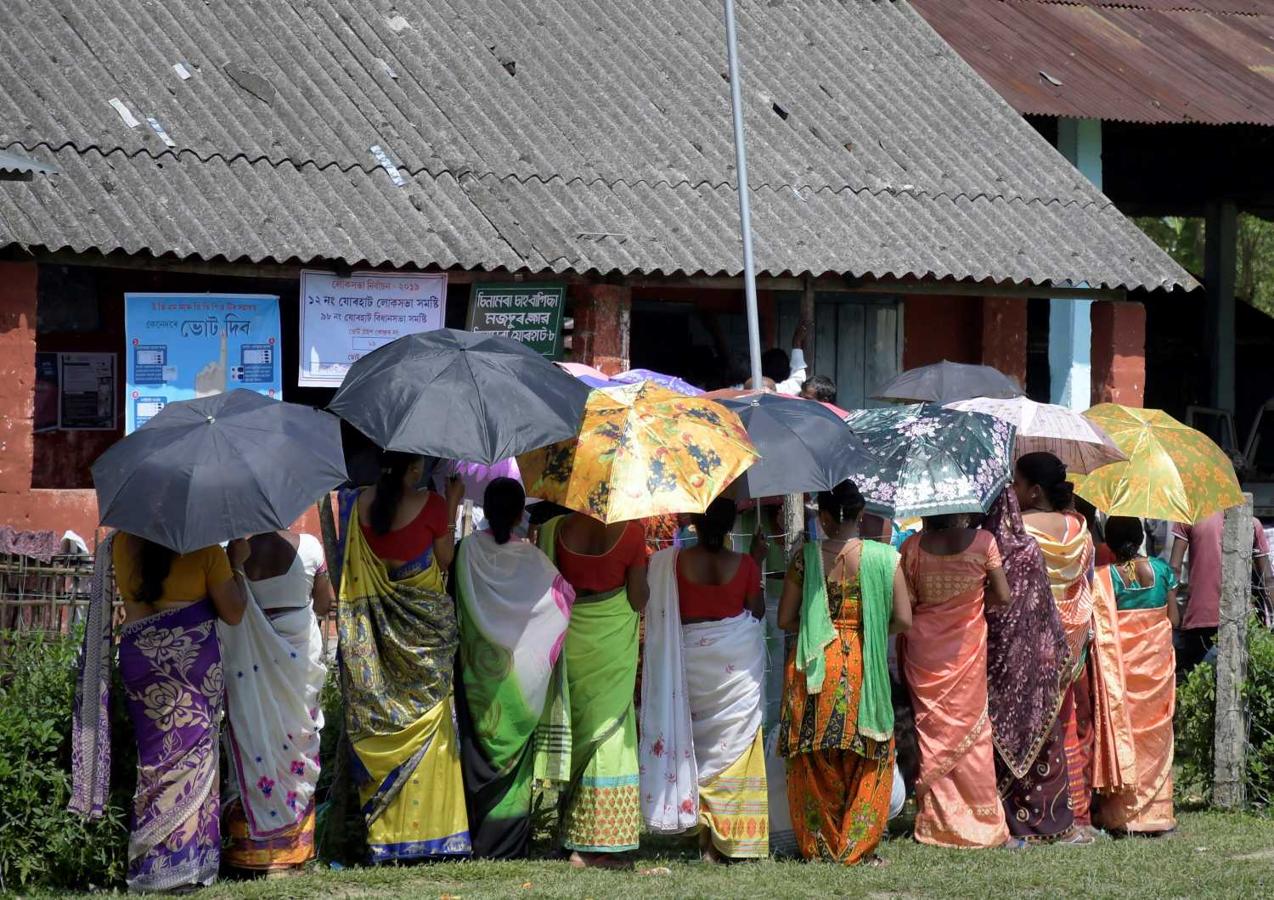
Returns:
point(642, 450)
point(1172, 472)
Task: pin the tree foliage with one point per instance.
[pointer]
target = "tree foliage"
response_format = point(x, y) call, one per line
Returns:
point(1183, 238)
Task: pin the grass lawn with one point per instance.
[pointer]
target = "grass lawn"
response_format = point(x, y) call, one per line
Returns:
point(1212, 855)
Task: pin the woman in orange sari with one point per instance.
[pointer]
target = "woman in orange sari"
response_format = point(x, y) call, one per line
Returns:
point(1146, 599)
point(949, 567)
point(843, 597)
point(1048, 511)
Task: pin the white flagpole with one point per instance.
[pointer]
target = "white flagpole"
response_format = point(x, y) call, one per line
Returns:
point(745, 205)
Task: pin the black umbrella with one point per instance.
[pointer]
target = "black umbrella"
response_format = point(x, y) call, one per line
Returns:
point(460, 395)
point(216, 468)
point(948, 382)
point(804, 446)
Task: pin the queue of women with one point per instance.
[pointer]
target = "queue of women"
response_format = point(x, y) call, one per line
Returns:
point(479, 672)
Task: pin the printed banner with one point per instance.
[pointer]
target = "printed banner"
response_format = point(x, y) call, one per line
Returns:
point(345, 318)
point(182, 346)
point(529, 313)
point(87, 396)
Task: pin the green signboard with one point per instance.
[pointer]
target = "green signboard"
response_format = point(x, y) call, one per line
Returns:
point(529, 313)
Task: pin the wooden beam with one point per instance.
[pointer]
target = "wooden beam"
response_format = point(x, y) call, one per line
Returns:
point(1221, 230)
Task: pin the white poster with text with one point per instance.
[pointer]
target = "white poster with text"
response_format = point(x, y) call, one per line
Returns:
point(345, 317)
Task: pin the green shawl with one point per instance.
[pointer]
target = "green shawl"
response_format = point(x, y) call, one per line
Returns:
point(876, 577)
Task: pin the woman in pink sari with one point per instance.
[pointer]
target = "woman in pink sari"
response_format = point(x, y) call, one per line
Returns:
point(949, 567)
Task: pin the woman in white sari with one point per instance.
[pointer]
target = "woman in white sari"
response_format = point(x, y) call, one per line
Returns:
point(274, 672)
point(701, 752)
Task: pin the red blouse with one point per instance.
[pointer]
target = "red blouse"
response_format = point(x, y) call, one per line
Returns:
point(599, 574)
point(718, 601)
point(413, 539)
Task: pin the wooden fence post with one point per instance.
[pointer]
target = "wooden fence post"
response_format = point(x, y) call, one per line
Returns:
point(1229, 744)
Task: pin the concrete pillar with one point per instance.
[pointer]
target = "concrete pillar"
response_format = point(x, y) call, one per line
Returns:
point(1004, 336)
point(603, 320)
point(1119, 353)
point(1069, 326)
point(1219, 273)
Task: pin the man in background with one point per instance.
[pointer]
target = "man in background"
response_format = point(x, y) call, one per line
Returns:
point(820, 388)
point(1203, 608)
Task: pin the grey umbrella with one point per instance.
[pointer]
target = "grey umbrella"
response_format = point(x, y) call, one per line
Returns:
point(216, 468)
point(804, 446)
point(460, 395)
point(946, 382)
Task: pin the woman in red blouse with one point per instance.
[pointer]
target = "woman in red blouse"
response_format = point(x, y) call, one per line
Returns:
point(701, 753)
point(606, 565)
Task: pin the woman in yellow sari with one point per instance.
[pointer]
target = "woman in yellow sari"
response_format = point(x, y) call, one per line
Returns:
point(398, 640)
point(843, 597)
point(1048, 511)
point(1146, 599)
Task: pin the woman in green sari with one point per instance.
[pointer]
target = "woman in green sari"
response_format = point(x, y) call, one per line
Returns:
point(606, 567)
point(513, 607)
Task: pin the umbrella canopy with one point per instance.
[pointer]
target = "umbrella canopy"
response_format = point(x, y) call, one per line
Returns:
point(460, 395)
point(1075, 440)
point(947, 382)
point(642, 450)
point(931, 461)
point(671, 382)
point(216, 468)
point(1172, 472)
point(804, 446)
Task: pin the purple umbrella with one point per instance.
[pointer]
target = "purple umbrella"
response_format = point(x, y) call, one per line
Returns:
point(671, 382)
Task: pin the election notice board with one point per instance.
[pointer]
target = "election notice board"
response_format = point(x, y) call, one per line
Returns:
point(343, 318)
point(182, 346)
point(528, 313)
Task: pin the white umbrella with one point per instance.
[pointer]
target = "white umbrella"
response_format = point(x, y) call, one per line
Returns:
point(1075, 440)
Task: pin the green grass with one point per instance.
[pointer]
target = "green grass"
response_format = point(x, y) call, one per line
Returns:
point(1212, 855)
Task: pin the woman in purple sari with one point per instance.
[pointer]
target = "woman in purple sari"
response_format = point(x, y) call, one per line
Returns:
point(1028, 662)
point(170, 663)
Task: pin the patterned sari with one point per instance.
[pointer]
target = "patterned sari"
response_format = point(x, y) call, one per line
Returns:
point(1069, 562)
point(944, 658)
point(170, 663)
point(1145, 636)
point(1028, 675)
point(839, 779)
point(513, 608)
point(600, 811)
point(398, 642)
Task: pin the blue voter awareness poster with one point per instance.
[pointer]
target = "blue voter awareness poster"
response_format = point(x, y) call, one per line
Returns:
point(182, 346)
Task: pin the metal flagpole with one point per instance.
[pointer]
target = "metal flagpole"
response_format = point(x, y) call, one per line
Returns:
point(745, 204)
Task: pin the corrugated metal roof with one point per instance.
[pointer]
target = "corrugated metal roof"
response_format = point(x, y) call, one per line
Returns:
point(1152, 61)
point(525, 126)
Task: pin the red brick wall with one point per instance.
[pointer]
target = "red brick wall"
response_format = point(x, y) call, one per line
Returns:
point(20, 506)
point(603, 317)
point(988, 330)
point(1119, 353)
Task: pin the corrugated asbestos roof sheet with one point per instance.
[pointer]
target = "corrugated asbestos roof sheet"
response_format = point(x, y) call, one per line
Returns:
point(589, 136)
point(1153, 61)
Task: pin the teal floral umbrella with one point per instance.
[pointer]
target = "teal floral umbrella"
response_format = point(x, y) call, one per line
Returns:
point(930, 461)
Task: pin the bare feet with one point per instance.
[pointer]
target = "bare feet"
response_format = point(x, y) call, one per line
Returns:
point(599, 861)
point(876, 862)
